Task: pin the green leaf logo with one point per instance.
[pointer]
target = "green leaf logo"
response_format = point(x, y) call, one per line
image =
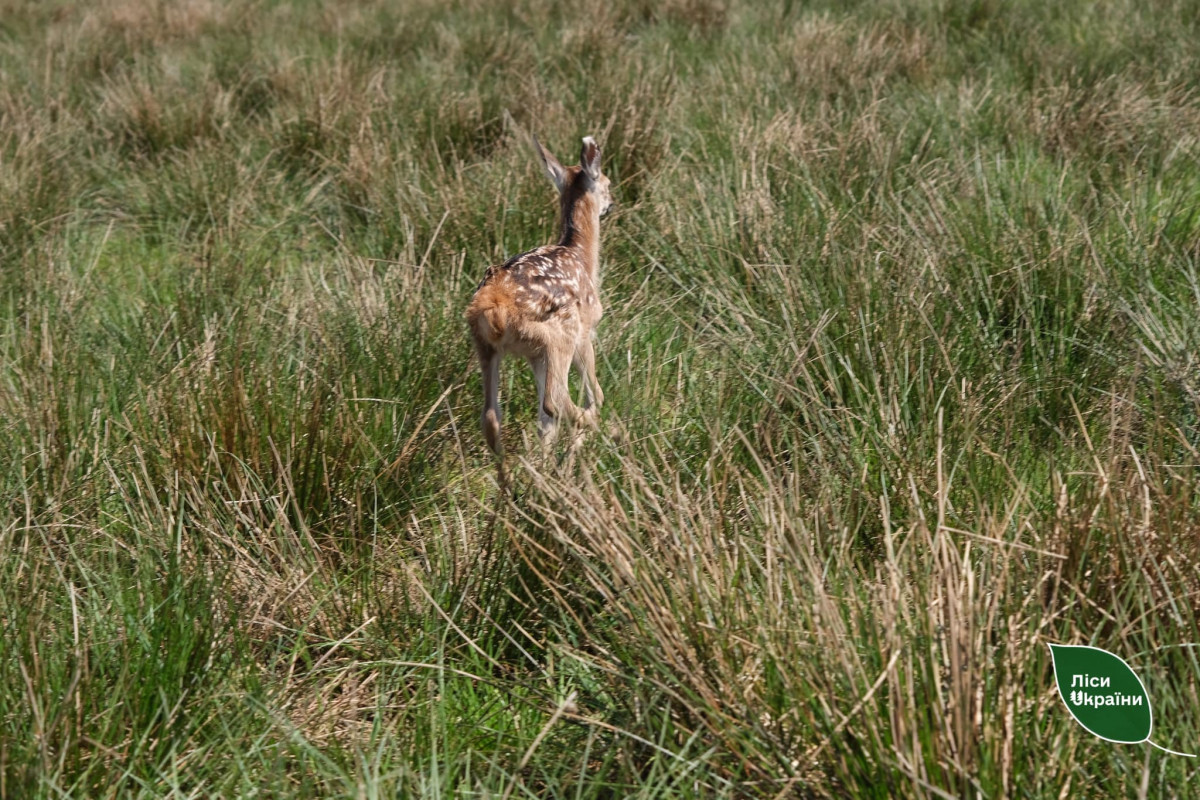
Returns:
point(1102, 693)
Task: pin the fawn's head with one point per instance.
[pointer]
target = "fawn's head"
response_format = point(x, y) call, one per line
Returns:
point(582, 183)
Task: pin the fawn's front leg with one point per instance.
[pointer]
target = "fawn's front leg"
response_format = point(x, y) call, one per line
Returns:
point(545, 420)
point(585, 363)
point(556, 400)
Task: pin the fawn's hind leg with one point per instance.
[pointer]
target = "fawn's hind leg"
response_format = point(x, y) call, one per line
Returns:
point(489, 363)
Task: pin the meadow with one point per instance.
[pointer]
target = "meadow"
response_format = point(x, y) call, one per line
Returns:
point(902, 364)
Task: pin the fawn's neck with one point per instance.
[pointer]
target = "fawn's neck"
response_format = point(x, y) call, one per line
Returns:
point(581, 230)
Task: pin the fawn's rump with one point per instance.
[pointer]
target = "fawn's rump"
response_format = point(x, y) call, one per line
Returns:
point(503, 323)
point(488, 316)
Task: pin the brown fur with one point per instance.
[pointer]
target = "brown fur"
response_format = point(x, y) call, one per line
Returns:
point(543, 305)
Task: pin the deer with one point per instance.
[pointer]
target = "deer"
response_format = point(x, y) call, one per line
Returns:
point(543, 305)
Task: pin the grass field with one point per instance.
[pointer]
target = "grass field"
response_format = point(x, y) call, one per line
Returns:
point(902, 363)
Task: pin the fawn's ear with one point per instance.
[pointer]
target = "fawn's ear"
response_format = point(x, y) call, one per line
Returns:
point(554, 170)
point(589, 158)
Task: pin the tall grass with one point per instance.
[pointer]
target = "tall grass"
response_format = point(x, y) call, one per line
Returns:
point(900, 352)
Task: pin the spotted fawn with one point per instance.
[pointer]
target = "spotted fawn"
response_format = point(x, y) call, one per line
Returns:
point(543, 305)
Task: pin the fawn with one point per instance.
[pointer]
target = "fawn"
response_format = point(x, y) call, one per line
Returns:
point(543, 305)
